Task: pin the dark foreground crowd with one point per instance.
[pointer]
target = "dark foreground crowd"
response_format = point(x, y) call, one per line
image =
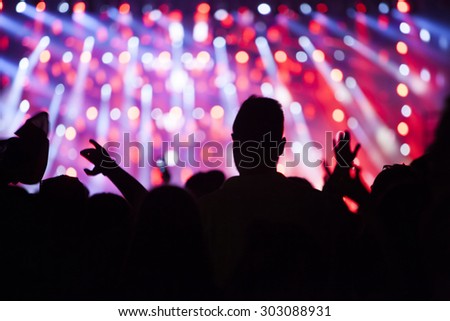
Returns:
point(256, 236)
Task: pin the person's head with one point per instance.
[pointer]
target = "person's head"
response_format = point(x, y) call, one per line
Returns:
point(201, 183)
point(257, 135)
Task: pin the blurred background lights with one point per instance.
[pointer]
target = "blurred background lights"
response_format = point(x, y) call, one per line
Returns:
point(92, 113)
point(107, 58)
point(405, 149)
point(24, 106)
point(217, 112)
point(133, 113)
point(63, 7)
point(406, 111)
point(295, 108)
point(21, 6)
point(71, 133)
point(264, 9)
point(338, 115)
point(305, 8)
point(115, 113)
point(403, 128)
point(424, 35)
point(402, 90)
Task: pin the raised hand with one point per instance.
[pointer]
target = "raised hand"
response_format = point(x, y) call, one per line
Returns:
point(342, 150)
point(99, 157)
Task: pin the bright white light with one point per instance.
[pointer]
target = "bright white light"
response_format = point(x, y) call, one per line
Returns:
point(261, 41)
point(305, 8)
point(301, 56)
point(219, 42)
point(24, 63)
point(405, 28)
point(21, 6)
point(200, 33)
point(67, 57)
point(405, 149)
point(155, 15)
point(267, 89)
point(406, 111)
point(198, 113)
point(304, 41)
point(383, 8)
point(63, 7)
point(60, 130)
point(339, 55)
point(59, 90)
point(264, 8)
point(221, 14)
point(147, 58)
point(425, 75)
point(350, 82)
point(229, 89)
point(171, 158)
point(178, 80)
point(352, 123)
point(60, 170)
point(133, 42)
point(156, 113)
point(176, 32)
point(187, 58)
point(106, 91)
point(107, 58)
point(115, 114)
point(404, 70)
point(349, 40)
point(24, 106)
point(425, 35)
point(295, 108)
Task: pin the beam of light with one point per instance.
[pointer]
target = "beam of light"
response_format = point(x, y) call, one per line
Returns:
point(200, 33)
point(345, 97)
point(145, 129)
point(12, 98)
point(76, 98)
point(103, 115)
point(14, 28)
point(413, 81)
point(130, 77)
point(53, 109)
point(176, 32)
point(224, 78)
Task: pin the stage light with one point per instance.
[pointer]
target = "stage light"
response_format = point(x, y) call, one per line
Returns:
point(124, 57)
point(133, 113)
point(85, 57)
point(92, 113)
point(198, 113)
point(133, 43)
point(60, 130)
point(124, 8)
point(301, 56)
point(339, 55)
point(264, 9)
point(267, 89)
point(115, 114)
point(155, 15)
point(350, 82)
point(45, 56)
point(318, 55)
point(424, 35)
point(219, 42)
point(383, 8)
point(242, 57)
point(203, 57)
point(217, 112)
point(322, 7)
point(221, 14)
point(176, 32)
point(72, 172)
point(21, 6)
point(305, 8)
point(349, 40)
point(405, 28)
point(63, 7)
point(156, 113)
point(24, 63)
point(336, 75)
point(200, 33)
point(402, 48)
point(406, 111)
point(280, 56)
point(79, 7)
point(402, 90)
point(403, 6)
point(338, 115)
point(71, 133)
point(405, 150)
point(107, 58)
point(403, 69)
point(360, 7)
point(24, 106)
point(352, 123)
point(203, 8)
point(295, 108)
point(164, 57)
point(40, 7)
point(67, 57)
point(402, 128)
point(425, 75)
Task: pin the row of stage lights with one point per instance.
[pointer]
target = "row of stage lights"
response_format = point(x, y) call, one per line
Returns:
point(263, 8)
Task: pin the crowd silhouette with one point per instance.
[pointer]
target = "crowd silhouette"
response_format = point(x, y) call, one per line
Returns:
point(256, 236)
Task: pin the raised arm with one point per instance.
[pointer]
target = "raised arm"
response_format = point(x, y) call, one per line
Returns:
point(131, 189)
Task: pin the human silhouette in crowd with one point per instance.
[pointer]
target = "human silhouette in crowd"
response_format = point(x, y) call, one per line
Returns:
point(256, 236)
point(270, 237)
point(202, 183)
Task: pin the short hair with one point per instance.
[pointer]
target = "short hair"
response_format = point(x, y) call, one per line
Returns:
point(257, 117)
